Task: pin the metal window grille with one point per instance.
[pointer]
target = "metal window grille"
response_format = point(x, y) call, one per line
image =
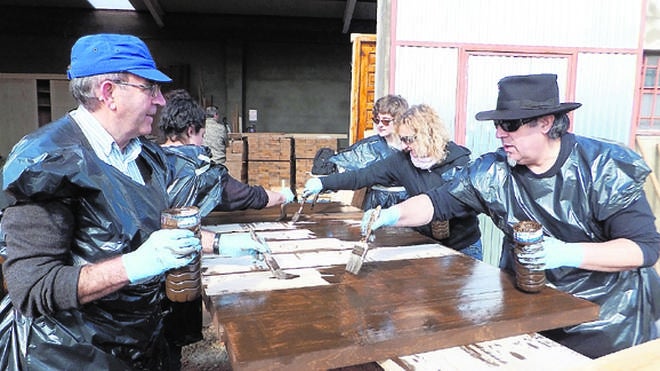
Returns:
point(649, 112)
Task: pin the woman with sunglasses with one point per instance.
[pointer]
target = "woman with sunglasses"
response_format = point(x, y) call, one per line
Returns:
point(429, 159)
point(374, 148)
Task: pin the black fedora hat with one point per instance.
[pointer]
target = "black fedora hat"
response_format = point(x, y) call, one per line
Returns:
point(523, 97)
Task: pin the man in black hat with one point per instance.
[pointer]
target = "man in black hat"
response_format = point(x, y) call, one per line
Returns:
point(600, 239)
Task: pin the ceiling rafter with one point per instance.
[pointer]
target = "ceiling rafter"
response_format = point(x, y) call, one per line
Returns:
point(348, 14)
point(156, 11)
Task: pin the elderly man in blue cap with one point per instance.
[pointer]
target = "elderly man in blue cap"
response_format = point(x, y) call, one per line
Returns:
point(85, 253)
point(600, 241)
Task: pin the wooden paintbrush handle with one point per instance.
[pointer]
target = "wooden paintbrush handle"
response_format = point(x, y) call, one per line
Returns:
point(372, 219)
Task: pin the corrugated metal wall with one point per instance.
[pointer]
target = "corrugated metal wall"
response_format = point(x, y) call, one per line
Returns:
point(428, 75)
point(451, 54)
point(566, 23)
point(605, 85)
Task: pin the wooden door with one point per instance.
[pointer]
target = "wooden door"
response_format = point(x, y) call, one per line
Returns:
point(363, 85)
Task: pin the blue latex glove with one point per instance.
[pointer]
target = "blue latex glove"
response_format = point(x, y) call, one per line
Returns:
point(386, 218)
point(165, 249)
point(312, 187)
point(556, 253)
point(288, 194)
point(239, 244)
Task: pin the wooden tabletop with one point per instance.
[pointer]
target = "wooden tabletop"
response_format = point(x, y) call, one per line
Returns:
point(391, 308)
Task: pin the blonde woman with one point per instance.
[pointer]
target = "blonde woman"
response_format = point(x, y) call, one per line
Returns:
point(428, 159)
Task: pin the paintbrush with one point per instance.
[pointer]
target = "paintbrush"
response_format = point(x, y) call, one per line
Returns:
point(316, 198)
point(282, 206)
point(360, 249)
point(296, 216)
point(269, 259)
point(282, 214)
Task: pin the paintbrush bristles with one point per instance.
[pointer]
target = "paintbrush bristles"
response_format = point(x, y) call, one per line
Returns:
point(357, 258)
point(360, 250)
point(296, 216)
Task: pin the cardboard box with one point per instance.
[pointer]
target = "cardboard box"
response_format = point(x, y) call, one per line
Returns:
point(237, 169)
point(307, 146)
point(303, 173)
point(236, 149)
point(269, 174)
point(269, 147)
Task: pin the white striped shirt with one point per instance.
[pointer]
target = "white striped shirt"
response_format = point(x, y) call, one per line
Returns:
point(105, 146)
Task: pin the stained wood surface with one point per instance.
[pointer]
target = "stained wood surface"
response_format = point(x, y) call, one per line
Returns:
point(391, 308)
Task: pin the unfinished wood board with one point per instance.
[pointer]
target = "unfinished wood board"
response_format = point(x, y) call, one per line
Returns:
point(315, 244)
point(522, 352)
point(642, 357)
point(288, 258)
point(244, 227)
point(260, 281)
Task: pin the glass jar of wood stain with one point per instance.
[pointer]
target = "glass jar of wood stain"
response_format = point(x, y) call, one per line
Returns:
point(528, 238)
point(185, 283)
point(440, 229)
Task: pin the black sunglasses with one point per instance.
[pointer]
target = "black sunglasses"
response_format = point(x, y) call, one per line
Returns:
point(512, 125)
point(408, 139)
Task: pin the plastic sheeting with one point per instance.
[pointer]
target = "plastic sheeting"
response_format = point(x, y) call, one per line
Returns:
point(123, 330)
point(360, 155)
point(195, 180)
point(596, 180)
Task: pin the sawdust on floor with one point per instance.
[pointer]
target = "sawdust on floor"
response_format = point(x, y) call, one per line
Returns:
point(207, 354)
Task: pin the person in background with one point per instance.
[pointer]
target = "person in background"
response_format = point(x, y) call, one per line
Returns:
point(85, 253)
point(600, 241)
point(429, 159)
point(181, 123)
point(183, 133)
point(217, 135)
point(381, 145)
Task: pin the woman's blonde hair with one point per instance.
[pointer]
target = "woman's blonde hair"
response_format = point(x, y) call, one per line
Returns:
point(431, 135)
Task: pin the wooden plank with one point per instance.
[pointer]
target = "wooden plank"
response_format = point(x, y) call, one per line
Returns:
point(642, 357)
point(521, 352)
point(390, 309)
point(399, 306)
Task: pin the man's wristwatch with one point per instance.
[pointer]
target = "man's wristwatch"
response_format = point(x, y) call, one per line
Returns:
point(216, 243)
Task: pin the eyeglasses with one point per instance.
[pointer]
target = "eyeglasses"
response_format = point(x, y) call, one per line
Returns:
point(512, 125)
point(385, 121)
point(153, 89)
point(408, 139)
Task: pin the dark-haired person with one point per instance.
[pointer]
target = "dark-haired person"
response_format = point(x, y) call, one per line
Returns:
point(197, 180)
point(600, 241)
point(182, 125)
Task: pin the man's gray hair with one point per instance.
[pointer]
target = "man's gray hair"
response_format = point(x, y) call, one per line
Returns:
point(82, 88)
point(560, 126)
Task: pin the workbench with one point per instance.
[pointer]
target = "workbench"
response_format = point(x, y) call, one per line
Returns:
point(411, 296)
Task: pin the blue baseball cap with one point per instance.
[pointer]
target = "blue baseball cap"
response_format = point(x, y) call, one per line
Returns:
point(110, 53)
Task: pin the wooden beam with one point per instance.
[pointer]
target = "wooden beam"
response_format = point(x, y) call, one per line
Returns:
point(156, 11)
point(348, 15)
